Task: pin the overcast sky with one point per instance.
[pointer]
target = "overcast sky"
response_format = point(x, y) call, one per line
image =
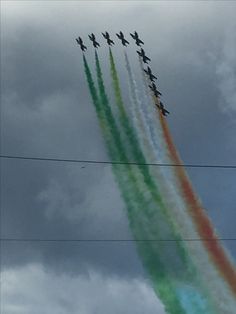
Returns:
point(46, 111)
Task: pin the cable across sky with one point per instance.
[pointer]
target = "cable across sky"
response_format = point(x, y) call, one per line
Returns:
point(107, 162)
point(109, 240)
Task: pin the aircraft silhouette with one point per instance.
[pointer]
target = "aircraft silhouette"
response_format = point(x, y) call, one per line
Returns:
point(136, 38)
point(141, 53)
point(80, 43)
point(93, 39)
point(154, 89)
point(120, 35)
point(149, 73)
point(107, 37)
point(162, 109)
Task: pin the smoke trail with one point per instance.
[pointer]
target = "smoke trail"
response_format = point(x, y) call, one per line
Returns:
point(204, 227)
point(130, 135)
point(136, 114)
point(133, 141)
point(197, 305)
point(138, 217)
point(170, 282)
point(177, 208)
point(208, 275)
point(149, 113)
point(150, 257)
point(138, 221)
point(223, 299)
point(144, 219)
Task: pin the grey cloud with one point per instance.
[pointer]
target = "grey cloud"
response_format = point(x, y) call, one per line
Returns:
point(47, 111)
point(46, 107)
point(226, 71)
point(80, 207)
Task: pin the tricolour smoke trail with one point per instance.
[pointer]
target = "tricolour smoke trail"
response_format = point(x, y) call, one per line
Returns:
point(176, 206)
point(147, 206)
point(222, 296)
point(197, 307)
point(148, 129)
point(151, 259)
point(204, 227)
point(140, 119)
point(131, 136)
point(167, 283)
point(151, 255)
point(135, 206)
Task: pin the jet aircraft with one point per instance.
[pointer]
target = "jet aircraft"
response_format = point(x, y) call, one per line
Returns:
point(120, 35)
point(136, 38)
point(154, 89)
point(141, 53)
point(149, 73)
point(108, 39)
point(93, 39)
point(80, 43)
point(162, 109)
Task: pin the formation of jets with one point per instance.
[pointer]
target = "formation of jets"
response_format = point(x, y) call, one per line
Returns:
point(141, 54)
point(110, 42)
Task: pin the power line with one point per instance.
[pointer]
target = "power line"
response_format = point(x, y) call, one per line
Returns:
point(85, 161)
point(113, 240)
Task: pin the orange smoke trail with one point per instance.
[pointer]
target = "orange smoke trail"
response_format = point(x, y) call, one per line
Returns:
point(203, 224)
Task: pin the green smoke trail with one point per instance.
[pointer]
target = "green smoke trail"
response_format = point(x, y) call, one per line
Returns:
point(134, 202)
point(138, 154)
point(133, 141)
point(131, 193)
point(159, 176)
point(180, 250)
point(148, 253)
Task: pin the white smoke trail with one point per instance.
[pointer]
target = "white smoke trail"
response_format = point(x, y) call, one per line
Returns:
point(136, 113)
point(221, 295)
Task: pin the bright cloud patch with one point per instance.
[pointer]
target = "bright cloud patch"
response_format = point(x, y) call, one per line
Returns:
point(33, 290)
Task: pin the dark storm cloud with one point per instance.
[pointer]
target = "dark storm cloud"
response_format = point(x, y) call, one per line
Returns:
point(65, 202)
point(46, 111)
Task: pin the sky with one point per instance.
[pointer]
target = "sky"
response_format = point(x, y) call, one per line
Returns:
point(46, 111)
